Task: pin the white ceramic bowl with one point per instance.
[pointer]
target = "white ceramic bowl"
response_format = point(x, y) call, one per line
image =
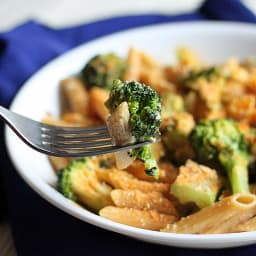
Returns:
point(215, 41)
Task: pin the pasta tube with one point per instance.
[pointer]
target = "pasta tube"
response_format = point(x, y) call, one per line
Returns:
point(221, 217)
point(249, 225)
point(143, 201)
point(137, 218)
point(132, 71)
point(123, 180)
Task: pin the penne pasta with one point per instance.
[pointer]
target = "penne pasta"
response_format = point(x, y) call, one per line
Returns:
point(249, 225)
point(120, 179)
point(222, 217)
point(137, 218)
point(133, 69)
point(98, 97)
point(143, 201)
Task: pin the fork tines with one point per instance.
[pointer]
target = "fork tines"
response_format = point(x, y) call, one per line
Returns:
point(79, 141)
point(76, 139)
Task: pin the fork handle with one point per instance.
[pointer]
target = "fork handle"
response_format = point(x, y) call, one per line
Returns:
point(15, 121)
point(4, 112)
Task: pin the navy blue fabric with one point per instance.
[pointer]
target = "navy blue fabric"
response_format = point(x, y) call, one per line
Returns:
point(38, 227)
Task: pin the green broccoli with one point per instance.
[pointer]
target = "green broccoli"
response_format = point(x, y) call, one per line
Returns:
point(144, 108)
point(221, 141)
point(145, 154)
point(171, 103)
point(102, 69)
point(203, 92)
point(193, 76)
point(79, 182)
point(175, 132)
point(196, 183)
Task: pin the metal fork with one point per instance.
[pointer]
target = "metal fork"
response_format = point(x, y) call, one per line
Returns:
point(63, 141)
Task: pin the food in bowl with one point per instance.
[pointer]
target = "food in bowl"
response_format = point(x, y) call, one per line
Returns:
point(206, 157)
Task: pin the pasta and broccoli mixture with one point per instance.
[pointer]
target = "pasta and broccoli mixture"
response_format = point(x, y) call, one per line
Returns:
point(200, 178)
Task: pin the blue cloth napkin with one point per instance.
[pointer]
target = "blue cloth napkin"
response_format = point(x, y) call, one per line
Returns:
point(38, 227)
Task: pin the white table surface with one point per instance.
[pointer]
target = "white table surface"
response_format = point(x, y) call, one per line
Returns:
point(63, 13)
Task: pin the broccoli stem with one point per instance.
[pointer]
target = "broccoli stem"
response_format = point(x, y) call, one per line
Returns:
point(220, 141)
point(237, 171)
point(151, 168)
point(239, 179)
point(145, 154)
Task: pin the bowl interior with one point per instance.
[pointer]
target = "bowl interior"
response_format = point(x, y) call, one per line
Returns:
point(214, 42)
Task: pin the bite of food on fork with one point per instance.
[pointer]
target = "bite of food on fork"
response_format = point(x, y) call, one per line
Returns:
point(63, 141)
point(135, 114)
point(69, 141)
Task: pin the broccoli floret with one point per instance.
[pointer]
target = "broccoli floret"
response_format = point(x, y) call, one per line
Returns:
point(221, 141)
point(175, 132)
point(196, 183)
point(145, 154)
point(138, 107)
point(102, 69)
point(144, 107)
point(171, 103)
point(207, 73)
point(79, 182)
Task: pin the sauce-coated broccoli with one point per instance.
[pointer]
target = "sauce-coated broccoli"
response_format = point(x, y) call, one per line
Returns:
point(102, 69)
point(79, 182)
point(207, 73)
point(171, 104)
point(221, 141)
point(196, 183)
point(175, 132)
